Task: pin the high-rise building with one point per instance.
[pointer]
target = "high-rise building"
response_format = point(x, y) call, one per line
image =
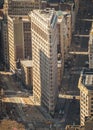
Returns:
point(20, 7)
point(86, 94)
point(90, 48)
point(17, 8)
point(5, 45)
point(19, 37)
point(61, 44)
point(63, 5)
point(64, 35)
point(65, 27)
point(44, 55)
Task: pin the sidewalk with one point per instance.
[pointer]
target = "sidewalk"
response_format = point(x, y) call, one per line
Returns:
point(41, 109)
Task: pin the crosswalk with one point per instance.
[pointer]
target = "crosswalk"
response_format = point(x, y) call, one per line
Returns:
point(78, 53)
point(69, 96)
point(80, 35)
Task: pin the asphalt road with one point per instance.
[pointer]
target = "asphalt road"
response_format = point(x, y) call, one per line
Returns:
point(82, 26)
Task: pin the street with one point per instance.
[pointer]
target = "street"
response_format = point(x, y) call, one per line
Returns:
point(16, 104)
point(78, 55)
point(19, 106)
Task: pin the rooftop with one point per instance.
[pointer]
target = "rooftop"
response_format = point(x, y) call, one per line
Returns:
point(17, 17)
point(87, 78)
point(60, 1)
point(47, 16)
point(61, 6)
point(23, 0)
point(62, 14)
point(27, 63)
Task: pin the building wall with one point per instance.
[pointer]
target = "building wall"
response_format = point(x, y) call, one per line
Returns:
point(89, 123)
point(44, 55)
point(18, 38)
point(27, 40)
point(4, 39)
point(90, 48)
point(60, 50)
point(12, 57)
point(26, 76)
point(60, 72)
point(76, 6)
point(86, 102)
point(5, 42)
point(65, 30)
point(69, 28)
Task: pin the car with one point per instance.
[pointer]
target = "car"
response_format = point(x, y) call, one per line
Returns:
point(25, 90)
point(19, 92)
point(74, 97)
point(89, 14)
point(86, 62)
point(66, 65)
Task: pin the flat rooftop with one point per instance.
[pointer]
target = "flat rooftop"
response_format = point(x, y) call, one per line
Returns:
point(24, 18)
point(87, 78)
point(45, 13)
point(48, 16)
point(27, 63)
point(62, 14)
point(62, 6)
point(60, 1)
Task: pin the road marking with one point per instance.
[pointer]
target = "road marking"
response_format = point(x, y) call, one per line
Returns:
point(79, 53)
point(68, 96)
point(78, 35)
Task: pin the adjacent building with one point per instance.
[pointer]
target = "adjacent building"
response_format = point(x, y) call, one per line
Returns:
point(25, 73)
point(5, 45)
point(67, 30)
point(90, 48)
point(19, 38)
point(20, 7)
point(17, 8)
point(65, 5)
point(64, 37)
point(1, 46)
point(61, 26)
point(88, 125)
point(86, 94)
point(74, 127)
point(44, 55)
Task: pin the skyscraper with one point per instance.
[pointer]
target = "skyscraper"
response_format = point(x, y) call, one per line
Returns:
point(44, 55)
point(19, 37)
